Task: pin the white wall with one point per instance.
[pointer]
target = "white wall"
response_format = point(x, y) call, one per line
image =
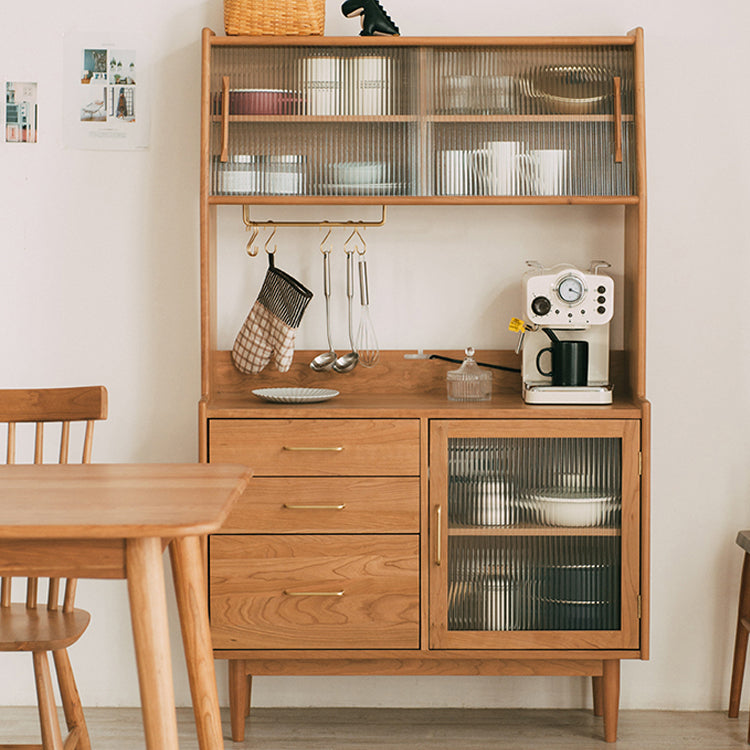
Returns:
point(100, 285)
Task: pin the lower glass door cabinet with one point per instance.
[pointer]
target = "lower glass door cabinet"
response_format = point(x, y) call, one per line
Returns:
point(535, 534)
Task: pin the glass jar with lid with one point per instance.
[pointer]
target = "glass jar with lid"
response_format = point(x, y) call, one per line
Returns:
point(469, 382)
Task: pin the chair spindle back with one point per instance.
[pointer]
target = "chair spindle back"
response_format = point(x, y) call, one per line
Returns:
point(43, 406)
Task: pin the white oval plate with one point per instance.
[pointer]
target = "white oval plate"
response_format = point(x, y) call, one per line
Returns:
point(295, 395)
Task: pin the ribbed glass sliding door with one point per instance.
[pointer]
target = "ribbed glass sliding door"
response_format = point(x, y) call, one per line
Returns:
point(532, 121)
point(533, 532)
point(311, 121)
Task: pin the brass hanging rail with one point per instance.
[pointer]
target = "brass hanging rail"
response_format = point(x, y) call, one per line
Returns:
point(251, 224)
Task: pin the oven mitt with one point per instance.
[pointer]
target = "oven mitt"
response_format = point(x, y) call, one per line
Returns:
point(270, 328)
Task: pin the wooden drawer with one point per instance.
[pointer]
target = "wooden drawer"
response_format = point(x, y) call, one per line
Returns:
point(338, 591)
point(318, 447)
point(304, 505)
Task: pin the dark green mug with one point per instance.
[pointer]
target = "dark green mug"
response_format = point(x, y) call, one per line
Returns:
point(570, 362)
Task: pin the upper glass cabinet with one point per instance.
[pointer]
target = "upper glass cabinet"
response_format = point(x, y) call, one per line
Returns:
point(400, 120)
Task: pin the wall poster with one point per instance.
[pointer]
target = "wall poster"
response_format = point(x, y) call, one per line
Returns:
point(20, 112)
point(106, 92)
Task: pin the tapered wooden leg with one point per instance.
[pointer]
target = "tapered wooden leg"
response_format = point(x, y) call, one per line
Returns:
point(249, 686)
point(611, 698)
point(70, 699)
point(191, 591)
point(239, 698)
point(596, 688)
point(148, 612)
point(51, 737)
point(740, 640)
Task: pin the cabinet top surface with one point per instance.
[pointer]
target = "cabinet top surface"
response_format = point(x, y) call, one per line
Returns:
point(364, 406)
point(396, 387)
point(419, 41)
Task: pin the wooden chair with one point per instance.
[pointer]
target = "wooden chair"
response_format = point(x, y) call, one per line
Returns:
point(743, 627)
point(49, 628)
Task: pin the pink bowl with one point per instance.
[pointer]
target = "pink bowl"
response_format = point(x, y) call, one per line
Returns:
point(259, 102)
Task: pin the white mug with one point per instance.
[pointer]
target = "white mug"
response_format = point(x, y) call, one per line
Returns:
point(546, 171)
point(454, 174)
point(496, 167)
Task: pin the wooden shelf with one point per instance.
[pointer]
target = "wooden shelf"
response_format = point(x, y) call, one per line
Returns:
point(525, 118)
point(427, 200)
point(437, 118)
point(318, 118)
point(417, 41)
point(534, 531)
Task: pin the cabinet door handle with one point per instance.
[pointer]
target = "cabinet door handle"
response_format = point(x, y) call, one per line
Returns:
point(224, 119)
point(334, 448)
point(617, 82)
point(438, 535)
point(314, 507)
point(313, 593)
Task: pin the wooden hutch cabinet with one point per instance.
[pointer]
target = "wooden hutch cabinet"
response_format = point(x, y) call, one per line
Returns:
point(392, 531)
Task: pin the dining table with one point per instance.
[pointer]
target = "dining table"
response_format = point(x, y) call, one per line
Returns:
point(114, 521)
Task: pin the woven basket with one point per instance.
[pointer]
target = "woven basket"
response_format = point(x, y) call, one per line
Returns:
point(274, 17)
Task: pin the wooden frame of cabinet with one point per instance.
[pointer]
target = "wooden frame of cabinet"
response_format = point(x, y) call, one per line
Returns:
point(414, 390)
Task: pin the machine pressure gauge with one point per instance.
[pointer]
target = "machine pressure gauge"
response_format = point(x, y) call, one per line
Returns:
point(570, 289)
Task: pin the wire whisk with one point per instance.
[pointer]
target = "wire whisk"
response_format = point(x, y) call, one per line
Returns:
point(367, 342)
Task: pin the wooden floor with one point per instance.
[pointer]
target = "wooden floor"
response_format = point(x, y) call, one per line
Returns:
point(417, 729)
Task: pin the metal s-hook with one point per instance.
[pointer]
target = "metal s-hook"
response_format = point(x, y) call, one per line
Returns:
point(322, 244)
point(364, 244)
point(251, 251)
point(356, 247)
point(270, 237)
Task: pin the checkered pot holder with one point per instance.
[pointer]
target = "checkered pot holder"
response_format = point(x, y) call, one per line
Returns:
point(270, 328)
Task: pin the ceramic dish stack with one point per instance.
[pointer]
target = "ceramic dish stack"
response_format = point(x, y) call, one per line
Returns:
point(488, 602)
point(482, 501)
point(580, 596)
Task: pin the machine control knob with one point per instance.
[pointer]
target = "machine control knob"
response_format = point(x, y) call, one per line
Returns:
point(601, 310)
point(541, 306)
point(601, 289)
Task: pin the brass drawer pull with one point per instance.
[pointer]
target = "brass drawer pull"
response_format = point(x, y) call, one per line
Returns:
point(313, 593)
point(315, 507)
point(336, 448)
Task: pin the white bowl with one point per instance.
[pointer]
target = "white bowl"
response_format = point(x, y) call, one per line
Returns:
point(358, 172)
point(561, 510)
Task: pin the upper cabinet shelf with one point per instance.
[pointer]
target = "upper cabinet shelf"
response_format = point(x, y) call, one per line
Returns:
point(419, 120)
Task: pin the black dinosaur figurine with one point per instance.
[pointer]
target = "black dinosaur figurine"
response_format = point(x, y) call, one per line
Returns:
point(375, 21)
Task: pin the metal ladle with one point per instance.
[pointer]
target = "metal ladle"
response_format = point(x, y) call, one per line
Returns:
point(348, 361)
point(327, 359)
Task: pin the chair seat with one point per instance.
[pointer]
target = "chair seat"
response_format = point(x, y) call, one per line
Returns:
point(23, 629)
point(743, 540)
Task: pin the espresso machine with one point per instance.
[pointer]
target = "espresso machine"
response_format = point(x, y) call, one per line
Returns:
point(565, 355)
